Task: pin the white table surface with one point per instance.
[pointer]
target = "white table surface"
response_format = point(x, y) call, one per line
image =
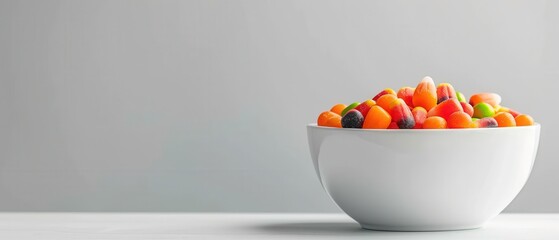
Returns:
point(14, 226)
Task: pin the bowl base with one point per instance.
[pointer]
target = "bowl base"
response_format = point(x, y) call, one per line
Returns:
point(419, 228)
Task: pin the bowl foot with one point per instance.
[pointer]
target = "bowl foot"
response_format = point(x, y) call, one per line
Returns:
point(419, 228)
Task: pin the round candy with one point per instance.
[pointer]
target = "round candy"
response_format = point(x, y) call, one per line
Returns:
point(338, 108)
point(459, 120)
point(505, 119)
point(524, 120)
point(352, 119)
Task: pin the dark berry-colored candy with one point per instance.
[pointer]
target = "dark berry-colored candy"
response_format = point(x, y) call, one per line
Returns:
point(352, 119)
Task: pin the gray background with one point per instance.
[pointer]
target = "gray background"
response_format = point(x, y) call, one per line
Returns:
point(202, 105)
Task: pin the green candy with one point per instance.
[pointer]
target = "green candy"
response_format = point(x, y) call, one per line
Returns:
point(460, 97)
point(351, 106)
point(482, 110)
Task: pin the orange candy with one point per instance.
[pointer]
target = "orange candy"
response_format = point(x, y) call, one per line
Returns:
point(384, 92)
point(324, 116)
point(338, 108)
point(524, 120)
point(459, 120)
point(446, 108)
point(505, 119)
point(335, 121)
point(419, 115)
point(492, 99)
point(385, 100)
point(377, 118)
point(434, 122)
point(406, 93)
point(425, 94)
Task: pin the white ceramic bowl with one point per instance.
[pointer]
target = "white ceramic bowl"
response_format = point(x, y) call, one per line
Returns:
point(423, 180)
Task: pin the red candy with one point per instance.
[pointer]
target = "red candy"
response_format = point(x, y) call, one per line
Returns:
point(365, 106)
point(419, 115)
point(383, 92)
point(445, 108)
point(401, 114)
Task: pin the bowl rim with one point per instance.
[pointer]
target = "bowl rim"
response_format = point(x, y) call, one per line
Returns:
point(315, 125)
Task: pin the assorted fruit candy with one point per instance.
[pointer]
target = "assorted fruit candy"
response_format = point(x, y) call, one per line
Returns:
point(424, 107)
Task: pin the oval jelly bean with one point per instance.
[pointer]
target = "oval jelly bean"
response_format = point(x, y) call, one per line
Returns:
point(492, 99)
point(482, 110)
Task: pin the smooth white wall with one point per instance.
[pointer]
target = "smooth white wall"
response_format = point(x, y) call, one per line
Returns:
point(202, 105)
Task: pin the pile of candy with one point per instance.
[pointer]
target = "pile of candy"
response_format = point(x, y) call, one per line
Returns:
point(424, 107)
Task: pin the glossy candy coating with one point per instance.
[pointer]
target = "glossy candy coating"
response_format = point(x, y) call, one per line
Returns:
point(482, 110)
point(505, 119)
point(351, 106)
point(425, 94)
point(385, 101)
point(445, 108)
point(383, 92)
point(434, 122)
point(377, 118)
point(352, 119)
point(459, 120)
point(335, 121)
point(401, 114)
point(524, 120)
point(492, 99)
point(324, 116)
point(338, 108)
point(365, 106)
